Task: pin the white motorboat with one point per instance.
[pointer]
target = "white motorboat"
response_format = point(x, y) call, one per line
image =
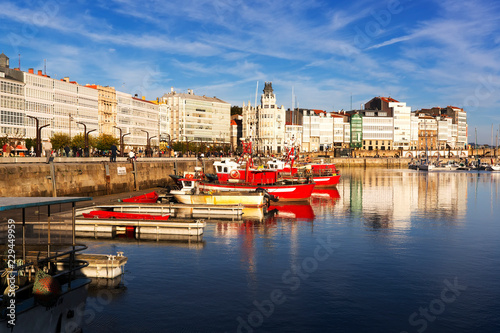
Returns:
point(190, 194)
point(494, 167)
point(450, 165)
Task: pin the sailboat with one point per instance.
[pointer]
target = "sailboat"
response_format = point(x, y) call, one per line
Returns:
point(424, 163)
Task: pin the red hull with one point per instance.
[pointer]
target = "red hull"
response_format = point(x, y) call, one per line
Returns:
point(151, 197)
point(326, 180)
point(104, 214)
point(289, 192)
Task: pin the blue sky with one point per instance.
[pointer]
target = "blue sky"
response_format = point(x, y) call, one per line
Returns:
point(425, 53)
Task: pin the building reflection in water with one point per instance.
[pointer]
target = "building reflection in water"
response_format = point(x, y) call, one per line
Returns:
point(394, 198)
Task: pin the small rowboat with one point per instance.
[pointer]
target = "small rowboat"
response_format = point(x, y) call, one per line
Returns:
point(104, 214)
point(150, 197)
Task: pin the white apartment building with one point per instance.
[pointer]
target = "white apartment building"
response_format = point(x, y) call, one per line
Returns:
point(39, 94)
point(413, 131)
point(444, 125)
point(461, 122)
point(293, 135)
point(402, 125)
point(65, 106)
point(139, 118)
point(338, 130)
point(311, 130)
point(60, 103)
point(12, 115)
point(377, 132)
point(194, 118)
point(87, 111)
point(164, 117)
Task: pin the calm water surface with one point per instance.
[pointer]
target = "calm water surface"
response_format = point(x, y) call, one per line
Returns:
point(387, 251)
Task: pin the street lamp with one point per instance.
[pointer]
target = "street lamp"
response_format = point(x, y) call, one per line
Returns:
point(86, 136)
point(70, 118)
point(149, 145)
point(121, 140)
point(122, 144)
point(147, 140)
point(87, 141)
point(38, 150)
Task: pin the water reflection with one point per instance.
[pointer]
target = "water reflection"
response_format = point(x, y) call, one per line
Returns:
point(296, 211)
point(395, 198)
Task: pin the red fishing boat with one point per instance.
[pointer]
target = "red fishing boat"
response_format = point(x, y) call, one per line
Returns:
point(323, 174)
point(241, 175)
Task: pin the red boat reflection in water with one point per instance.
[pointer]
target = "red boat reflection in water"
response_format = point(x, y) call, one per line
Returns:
point(325, 198)
point(326, 194)
point(297, 211)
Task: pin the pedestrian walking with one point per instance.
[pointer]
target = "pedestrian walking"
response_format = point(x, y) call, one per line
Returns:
point(114, 149)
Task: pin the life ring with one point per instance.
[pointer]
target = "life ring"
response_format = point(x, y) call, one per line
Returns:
point(189, 176)
point(308, 159)
point(234, 174)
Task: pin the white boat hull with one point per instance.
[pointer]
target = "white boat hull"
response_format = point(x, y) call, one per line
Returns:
point(235, 198)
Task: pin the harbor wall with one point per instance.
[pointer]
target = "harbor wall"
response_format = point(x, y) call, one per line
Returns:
point(85, 179)
point(94, 177)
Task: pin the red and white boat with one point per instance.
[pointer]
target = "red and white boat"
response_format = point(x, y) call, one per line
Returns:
point(238, 176)
point(323, 174)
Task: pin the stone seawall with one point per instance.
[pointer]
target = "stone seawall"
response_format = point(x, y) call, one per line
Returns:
point(74, 177)
point(85, 179)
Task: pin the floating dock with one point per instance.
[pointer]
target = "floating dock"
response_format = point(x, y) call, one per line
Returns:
point(100, 266)
point(196, 211)
point(140, 229)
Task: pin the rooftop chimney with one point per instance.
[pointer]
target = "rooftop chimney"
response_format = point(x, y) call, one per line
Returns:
point(31, 71)
point(40, 72)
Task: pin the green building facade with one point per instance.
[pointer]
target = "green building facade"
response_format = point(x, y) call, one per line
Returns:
point(356, 131)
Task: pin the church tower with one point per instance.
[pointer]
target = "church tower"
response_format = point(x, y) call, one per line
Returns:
point(268, 98)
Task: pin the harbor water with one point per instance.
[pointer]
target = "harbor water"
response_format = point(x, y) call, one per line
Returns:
point(389, 250)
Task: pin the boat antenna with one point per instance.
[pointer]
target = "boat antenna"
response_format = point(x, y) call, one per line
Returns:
point(256, 92)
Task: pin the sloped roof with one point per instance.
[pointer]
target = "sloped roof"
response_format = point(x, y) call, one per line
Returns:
point(389, 100)
point(197, 97)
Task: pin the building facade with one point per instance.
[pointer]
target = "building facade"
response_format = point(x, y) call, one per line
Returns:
point(265, 123)
point(199, 119)
point(12, 114)
point(139, 118)
point(107, 100)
